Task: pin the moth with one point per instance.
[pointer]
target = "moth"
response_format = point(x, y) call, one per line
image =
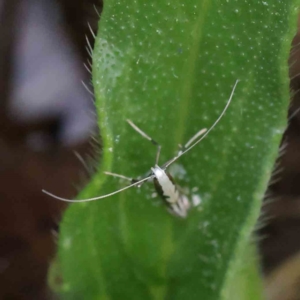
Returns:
point(176, 201)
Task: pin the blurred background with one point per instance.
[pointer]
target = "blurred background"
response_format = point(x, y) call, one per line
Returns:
point(48, 140)
point(279, 235)
point(47, 128)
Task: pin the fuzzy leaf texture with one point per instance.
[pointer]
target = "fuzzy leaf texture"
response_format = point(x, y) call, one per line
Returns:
point(170, 66)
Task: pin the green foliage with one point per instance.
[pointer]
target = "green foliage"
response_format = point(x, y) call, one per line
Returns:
point(170, 66)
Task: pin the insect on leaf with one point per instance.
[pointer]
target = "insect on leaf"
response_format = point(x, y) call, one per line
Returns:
point(170, 68)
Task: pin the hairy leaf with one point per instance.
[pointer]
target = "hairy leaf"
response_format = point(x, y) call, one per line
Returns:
point(170, 66)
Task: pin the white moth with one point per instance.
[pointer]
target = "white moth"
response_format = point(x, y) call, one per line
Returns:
point(165, 186)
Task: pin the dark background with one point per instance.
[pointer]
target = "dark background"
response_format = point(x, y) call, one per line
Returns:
point(47, 133)
point(47, 121)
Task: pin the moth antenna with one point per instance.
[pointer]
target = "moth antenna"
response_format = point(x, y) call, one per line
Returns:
point(99, 197)
point(195, 137)
point(208, 131)
point(118, 175)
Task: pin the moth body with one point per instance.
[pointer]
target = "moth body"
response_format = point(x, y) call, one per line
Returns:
point(166, 188)
point(177, 202)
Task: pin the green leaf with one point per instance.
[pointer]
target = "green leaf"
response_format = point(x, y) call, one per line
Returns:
point(245, 281)
point(170, 68)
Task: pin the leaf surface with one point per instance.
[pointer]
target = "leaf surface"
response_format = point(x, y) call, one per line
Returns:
point(170, 68)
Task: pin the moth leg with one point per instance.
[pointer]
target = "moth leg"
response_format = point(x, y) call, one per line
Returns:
point(146, 136)
point(132, 180)
point(191, 140)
